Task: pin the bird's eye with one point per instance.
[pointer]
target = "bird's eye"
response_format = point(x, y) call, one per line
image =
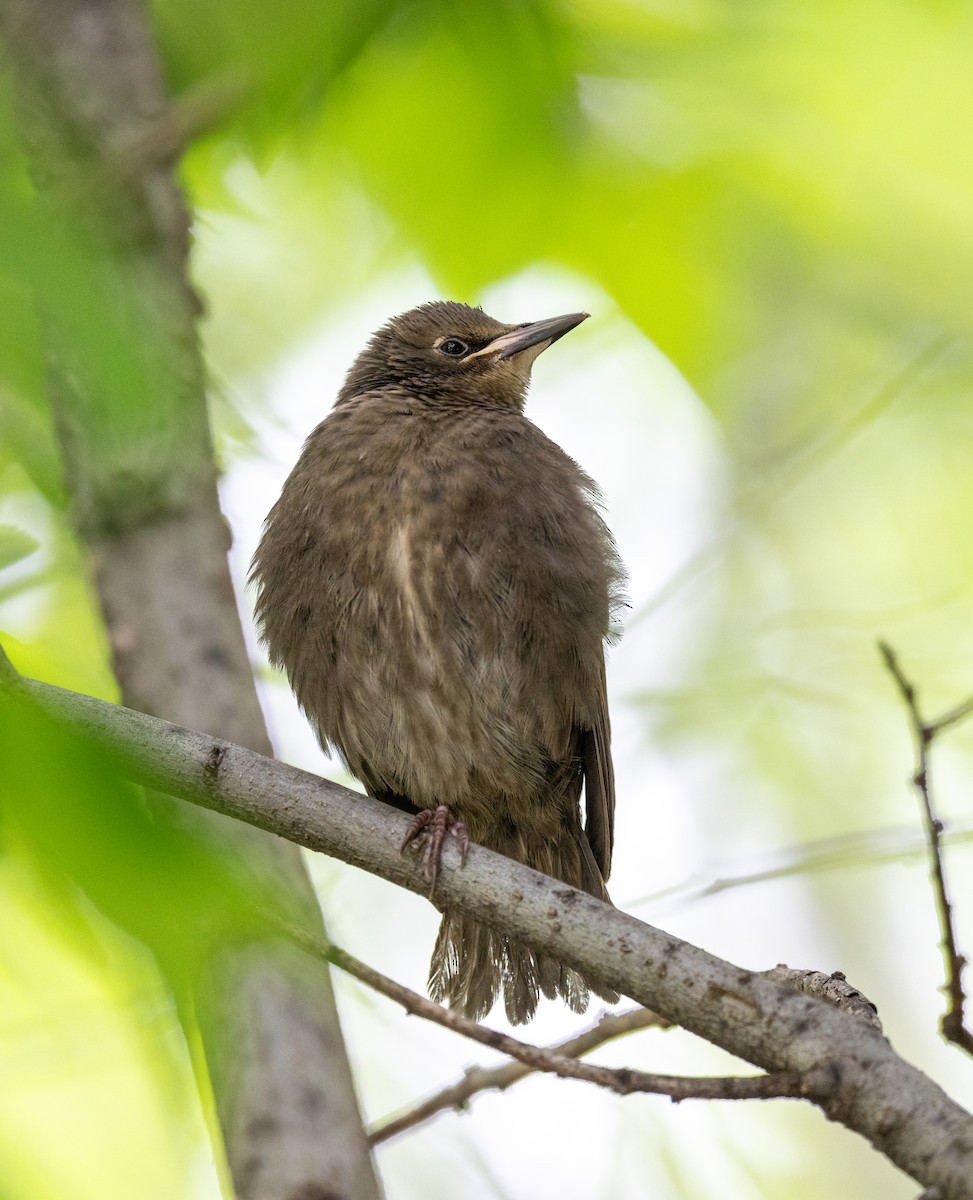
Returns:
point(453, 347)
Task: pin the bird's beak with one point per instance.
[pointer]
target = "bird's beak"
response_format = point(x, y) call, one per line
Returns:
point(525, 336)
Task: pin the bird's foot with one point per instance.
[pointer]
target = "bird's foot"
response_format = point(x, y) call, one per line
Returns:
point(432, 825)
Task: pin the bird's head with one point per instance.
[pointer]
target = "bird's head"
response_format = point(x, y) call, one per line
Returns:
point(451, 353)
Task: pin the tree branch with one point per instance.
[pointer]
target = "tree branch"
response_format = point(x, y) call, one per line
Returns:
point(952, 1025)
point(834, 988)
point(624, 1081)
point(872, 1091)
point(866, 848)
point(482, 1079)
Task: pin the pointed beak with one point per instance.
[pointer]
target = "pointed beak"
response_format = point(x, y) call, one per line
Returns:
point(526, 336)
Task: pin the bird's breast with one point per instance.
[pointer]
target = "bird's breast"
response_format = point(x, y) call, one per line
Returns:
point(464, 614)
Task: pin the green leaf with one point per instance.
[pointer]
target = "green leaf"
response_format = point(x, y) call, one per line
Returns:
point(15, 545)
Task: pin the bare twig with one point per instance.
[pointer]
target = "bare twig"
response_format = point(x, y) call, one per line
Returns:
point(623, 1080)
point(481, 1079)
point(953, 717)
point(952, 1024)
point(867, 848)
point(188, 117)
point(801, 462)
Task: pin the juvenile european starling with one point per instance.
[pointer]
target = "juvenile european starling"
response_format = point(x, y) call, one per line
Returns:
point(438, 585)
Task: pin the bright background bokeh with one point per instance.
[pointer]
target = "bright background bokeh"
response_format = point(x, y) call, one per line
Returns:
point(766, 208)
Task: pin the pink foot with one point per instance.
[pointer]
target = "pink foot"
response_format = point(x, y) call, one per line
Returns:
point(433, 824)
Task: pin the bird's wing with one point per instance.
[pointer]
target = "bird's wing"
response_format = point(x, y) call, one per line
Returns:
point(599, 782)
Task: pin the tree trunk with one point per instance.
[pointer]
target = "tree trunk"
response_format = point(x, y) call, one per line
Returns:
point(127, 385)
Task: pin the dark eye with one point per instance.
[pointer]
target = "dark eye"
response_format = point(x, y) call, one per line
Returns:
point(453, 347)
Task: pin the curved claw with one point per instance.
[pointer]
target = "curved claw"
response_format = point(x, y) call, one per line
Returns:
point(433, 824)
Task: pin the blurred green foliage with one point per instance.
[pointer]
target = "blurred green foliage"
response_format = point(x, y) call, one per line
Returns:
point(777, 195)
point(730, 174)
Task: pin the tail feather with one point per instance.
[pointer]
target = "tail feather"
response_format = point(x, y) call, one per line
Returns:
point(473, 964)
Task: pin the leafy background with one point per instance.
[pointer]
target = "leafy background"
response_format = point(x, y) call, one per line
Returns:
point(766, 208)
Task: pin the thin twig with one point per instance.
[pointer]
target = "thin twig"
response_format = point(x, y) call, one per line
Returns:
point(804, 460)
point(952, 1024)
point(834, 988)
point(868, 848)
point(623, 1080)
point(482, 1079)
point(953, 717)
point(188, 117)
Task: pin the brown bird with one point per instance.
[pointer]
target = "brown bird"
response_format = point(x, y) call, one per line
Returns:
point(438, 585)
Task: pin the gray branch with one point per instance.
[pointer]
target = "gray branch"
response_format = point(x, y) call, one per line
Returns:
point(868, 1088)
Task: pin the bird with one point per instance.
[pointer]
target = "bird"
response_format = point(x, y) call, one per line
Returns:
point(439, 585)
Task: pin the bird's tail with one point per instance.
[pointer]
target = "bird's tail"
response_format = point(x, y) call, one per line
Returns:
point(473, 964)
